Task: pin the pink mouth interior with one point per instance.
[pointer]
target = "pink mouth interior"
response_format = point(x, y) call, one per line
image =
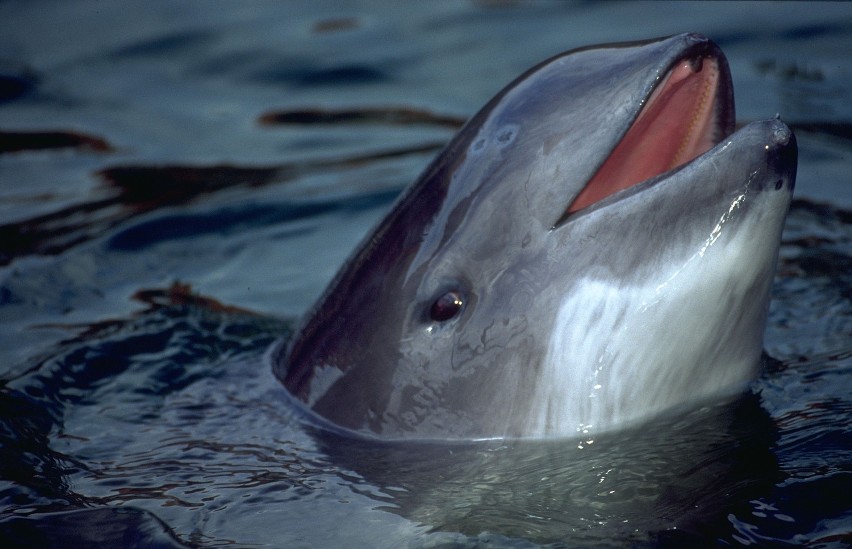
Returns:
point(676, 125)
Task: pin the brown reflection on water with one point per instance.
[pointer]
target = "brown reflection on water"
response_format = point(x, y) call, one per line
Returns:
point(12, 141)
point(136, 190)
point(397, 116)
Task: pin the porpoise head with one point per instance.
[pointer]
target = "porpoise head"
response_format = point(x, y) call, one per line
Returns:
point(594, 247)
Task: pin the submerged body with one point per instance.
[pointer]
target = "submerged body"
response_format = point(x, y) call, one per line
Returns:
point(592, 248)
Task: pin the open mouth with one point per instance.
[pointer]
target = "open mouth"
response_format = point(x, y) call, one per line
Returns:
point(689, 112)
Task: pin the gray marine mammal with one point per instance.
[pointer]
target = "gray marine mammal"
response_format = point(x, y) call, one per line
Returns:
point(595, 246)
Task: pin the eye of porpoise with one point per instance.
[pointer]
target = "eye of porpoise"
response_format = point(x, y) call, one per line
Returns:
point(594, 247)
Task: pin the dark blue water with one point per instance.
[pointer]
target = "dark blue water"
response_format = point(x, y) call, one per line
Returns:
point(179, 181)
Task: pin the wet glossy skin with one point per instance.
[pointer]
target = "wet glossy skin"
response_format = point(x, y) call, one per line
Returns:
point(498, 298)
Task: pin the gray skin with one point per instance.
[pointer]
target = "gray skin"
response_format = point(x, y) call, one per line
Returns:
point(650, 299)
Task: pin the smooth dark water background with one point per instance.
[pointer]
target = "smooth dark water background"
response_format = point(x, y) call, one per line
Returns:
point(147, 146)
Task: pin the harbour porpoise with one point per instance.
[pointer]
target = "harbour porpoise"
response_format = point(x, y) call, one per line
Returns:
point(594, 247)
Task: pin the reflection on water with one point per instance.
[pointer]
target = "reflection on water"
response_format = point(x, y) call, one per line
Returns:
point(244, 151)
point(675, 472)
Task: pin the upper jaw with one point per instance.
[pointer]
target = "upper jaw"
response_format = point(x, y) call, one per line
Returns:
point(688, 111)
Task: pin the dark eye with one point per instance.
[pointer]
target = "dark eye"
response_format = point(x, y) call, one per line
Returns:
point(447, 306)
